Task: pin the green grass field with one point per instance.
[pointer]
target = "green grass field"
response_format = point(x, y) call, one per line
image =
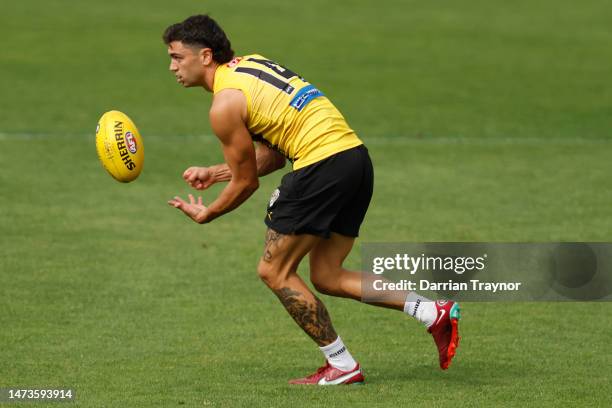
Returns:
point(487, 121)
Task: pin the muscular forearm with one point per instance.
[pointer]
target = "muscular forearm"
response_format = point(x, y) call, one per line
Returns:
point(220, 172)
point(234, 194)
point(266, 164)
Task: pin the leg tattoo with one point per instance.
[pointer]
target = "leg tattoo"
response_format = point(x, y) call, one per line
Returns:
point(312, 317)
point(272, 240)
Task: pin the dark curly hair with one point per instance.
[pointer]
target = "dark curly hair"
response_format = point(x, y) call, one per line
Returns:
point(203, 31)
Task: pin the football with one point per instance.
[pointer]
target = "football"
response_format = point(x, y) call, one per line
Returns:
point(119, 146)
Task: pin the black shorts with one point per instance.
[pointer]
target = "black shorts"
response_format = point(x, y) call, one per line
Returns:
point(331, 195)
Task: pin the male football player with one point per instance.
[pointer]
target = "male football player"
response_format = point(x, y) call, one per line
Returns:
point(319, 206)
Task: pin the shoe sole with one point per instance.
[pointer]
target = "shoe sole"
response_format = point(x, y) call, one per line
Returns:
point(455, 316)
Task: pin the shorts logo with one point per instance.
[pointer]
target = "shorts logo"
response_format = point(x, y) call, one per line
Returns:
point(274, 197)
point(130, 142)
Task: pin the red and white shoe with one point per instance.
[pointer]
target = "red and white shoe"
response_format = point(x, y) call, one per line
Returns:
point(329, 375)
point(445, 331)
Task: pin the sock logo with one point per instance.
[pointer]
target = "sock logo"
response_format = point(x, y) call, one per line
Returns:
point(416, 306)
point(337, 353)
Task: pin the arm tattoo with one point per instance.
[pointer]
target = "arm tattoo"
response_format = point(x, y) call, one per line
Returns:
point(311, 317)
point(273, 238)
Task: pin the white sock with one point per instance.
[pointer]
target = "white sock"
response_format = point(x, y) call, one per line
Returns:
point(338, 355)
point(421, 308)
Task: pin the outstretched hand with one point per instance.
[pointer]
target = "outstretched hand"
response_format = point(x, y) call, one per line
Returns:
point(193, 209)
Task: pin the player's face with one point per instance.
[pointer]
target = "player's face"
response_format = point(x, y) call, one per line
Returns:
point(187, 64)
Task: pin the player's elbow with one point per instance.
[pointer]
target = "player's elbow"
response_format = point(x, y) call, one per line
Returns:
point(250, 185)
point(253, 185)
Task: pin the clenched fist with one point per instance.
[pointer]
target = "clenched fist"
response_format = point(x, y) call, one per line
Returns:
point(199, 178)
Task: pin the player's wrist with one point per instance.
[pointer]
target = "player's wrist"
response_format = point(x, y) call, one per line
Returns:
point(214, 173)
point(205, 216)
point(219, 172)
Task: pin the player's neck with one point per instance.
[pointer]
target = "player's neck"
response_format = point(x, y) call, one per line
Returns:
point(209, 77)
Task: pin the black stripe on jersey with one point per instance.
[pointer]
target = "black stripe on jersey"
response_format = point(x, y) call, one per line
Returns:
point(269, 78)
point(279, 69)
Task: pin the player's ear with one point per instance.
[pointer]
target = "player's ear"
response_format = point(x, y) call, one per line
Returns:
point(206, 56)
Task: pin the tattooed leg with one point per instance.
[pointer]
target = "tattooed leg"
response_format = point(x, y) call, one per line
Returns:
point(311, 316)
point(277, 268)
point(272, 240)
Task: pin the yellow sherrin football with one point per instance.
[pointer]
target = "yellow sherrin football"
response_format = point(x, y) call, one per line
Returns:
point(119, 146)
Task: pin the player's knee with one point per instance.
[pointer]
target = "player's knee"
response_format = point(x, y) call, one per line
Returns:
point(325, 286)
point(265, 272)
point(270, 275)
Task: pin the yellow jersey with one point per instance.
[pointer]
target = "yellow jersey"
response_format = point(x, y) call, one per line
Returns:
point(285, 112)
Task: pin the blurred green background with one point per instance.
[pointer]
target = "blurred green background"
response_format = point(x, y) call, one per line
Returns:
point(486, 121)
point(395, 68)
